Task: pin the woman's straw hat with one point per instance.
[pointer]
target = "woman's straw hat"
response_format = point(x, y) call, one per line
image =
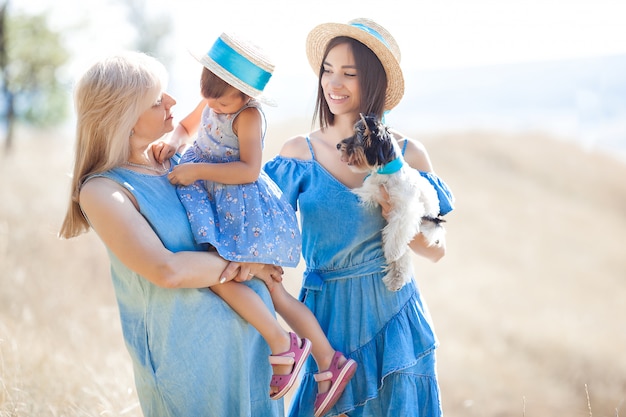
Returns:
point(241, 64)
point(372, 35)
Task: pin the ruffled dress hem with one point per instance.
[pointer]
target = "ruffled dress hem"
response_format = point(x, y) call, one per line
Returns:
point(395, 351)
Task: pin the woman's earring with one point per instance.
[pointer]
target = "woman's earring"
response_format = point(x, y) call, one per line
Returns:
point(132, 132)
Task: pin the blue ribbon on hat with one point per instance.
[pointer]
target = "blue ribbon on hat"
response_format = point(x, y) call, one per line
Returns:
point(238, 65)
point(370, 31)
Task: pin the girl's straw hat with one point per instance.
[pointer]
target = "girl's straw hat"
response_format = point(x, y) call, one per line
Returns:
point(372, 35)
point(241, 64)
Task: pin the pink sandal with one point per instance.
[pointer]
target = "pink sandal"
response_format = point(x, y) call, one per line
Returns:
point(339, 378)
point(296, 356)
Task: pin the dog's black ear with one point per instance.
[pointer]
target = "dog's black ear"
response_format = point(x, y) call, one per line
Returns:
point(379, 150)
point(370, 139)
point(371, 123)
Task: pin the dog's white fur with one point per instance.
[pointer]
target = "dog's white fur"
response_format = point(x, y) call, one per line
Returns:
point(411, 197)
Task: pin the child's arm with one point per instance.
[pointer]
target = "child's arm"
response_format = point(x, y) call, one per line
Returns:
point(248, 127)
point(165, 149)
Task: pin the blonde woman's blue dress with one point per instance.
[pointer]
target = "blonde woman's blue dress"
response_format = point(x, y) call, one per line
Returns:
point(192, 354)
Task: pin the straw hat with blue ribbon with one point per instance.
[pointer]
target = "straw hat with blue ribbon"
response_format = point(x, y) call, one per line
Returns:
point(372, 35)
point(241, 64)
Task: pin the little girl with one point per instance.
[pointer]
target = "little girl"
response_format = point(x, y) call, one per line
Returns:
point(237, 209)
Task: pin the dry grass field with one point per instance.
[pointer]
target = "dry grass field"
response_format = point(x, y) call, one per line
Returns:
point(529, 303)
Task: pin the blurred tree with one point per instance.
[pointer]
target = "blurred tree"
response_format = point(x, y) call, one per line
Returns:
point(152, 30)
point(30, 56)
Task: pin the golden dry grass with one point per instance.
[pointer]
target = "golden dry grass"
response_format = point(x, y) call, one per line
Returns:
point(528, 303)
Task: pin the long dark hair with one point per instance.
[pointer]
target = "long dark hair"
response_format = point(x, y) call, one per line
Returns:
point(372, 82)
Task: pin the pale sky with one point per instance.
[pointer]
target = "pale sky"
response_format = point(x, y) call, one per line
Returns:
point(432, 34)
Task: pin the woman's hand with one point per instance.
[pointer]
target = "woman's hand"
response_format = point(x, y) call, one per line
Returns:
point(238, 271)
point(434, 253)
point(384, 202)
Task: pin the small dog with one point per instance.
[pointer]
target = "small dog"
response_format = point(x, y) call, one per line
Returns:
point(413, 199)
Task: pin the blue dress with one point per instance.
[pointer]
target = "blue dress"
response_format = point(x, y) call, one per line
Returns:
point(389, 334)
point(244, 222)
point(192, 354)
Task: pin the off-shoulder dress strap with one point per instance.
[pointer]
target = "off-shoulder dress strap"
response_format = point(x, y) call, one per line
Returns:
point(406, 141)
point(308, 142)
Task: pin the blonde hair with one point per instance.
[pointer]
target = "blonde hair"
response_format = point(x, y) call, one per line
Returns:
point(108, 100)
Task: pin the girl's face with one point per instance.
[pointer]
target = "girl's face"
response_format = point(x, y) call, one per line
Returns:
point(340, 81)
point(157, 120)
point(229, 103)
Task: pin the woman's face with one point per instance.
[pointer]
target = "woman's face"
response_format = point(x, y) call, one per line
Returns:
point(157, 120)
point(340, 81)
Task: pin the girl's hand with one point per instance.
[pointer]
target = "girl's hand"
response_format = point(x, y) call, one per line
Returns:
point(269, 274)
point(163, 151)
point(183, 174)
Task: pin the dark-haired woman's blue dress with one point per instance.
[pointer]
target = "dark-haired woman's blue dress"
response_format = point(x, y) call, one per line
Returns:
point(389, 334)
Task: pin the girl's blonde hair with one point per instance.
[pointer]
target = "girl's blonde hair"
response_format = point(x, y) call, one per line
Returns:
point(108, 100)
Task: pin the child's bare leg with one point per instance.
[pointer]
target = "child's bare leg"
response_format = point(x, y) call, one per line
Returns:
point(250, 306)
point(303, 322)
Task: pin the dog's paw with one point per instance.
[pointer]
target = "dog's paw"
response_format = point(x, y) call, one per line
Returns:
point(368, 194)
point(393, 250)
point(395, 278)
point(396, 238)
point(392, 283)
point(433, 231)
point(427, 196)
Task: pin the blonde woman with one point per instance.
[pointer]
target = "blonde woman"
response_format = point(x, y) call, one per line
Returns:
point(192, 354)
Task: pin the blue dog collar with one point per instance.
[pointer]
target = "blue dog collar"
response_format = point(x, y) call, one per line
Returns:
point(391, 167)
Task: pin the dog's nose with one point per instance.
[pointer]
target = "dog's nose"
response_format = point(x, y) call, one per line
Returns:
point(339, 146)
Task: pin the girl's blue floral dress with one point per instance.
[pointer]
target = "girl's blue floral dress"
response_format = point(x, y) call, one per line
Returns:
point(244, 222)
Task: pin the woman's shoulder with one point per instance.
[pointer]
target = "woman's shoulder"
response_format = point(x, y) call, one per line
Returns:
point(296, 147)
point(97, 187)
point(293, 163)
point(415, 152)
point(102, 182)
point(105, 188)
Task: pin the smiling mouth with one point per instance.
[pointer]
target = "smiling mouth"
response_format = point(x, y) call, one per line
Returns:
point(336, 97)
